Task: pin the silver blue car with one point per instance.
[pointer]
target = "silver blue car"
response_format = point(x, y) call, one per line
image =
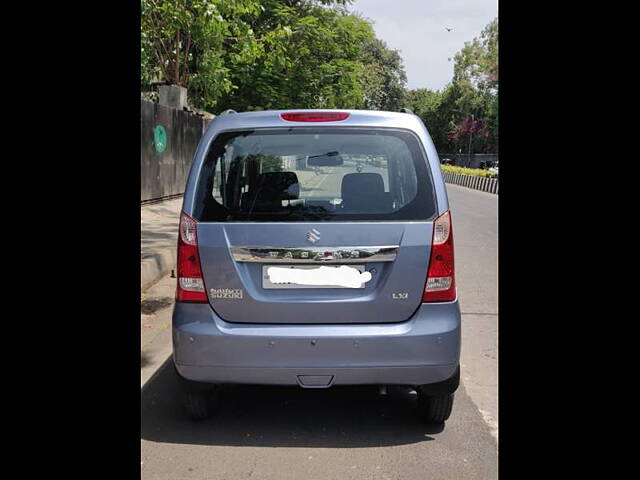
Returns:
point(316, 249)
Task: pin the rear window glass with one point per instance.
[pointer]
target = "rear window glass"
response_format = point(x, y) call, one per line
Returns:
point(303, 174)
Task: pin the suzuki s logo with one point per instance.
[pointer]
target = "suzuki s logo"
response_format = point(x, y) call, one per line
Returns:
point(313, 236)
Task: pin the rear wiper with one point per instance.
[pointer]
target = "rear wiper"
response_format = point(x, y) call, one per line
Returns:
point(328, 154)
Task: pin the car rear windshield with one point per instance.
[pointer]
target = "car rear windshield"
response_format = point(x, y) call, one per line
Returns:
point(322, 174)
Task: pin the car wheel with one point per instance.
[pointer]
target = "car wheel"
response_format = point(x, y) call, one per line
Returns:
point(198, 399)
point(435, 408)
point(198, 405)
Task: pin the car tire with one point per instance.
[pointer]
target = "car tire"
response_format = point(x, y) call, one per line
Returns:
point(198, 405)
point(198, 399)
point(435, 408)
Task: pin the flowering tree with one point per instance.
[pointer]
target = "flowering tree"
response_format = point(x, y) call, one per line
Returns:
point(476, 77)
point(464, 115)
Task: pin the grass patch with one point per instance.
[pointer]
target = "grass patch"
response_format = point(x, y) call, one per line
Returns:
point(478, 172)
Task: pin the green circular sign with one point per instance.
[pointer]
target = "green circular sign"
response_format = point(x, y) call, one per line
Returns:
point(160, 138)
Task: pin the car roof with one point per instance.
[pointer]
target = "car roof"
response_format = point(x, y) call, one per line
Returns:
point(272, 118)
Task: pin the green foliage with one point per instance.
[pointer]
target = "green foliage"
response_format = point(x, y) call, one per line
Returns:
point(270, 163)
point(466, 110)
point(183, 43)
point(384, 77)
point(279, 54)
point(433, 107)
point(477, 62)
point(269, 54)
point(308, 59)
point(477, 172)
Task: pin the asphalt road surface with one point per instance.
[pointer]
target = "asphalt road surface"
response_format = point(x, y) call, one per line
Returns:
point(349, 432)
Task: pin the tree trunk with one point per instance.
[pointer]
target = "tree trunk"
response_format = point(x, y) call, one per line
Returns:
point(176, 75)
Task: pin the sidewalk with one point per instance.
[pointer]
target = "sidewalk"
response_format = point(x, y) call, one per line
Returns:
point(159, 240)
point(156, 308)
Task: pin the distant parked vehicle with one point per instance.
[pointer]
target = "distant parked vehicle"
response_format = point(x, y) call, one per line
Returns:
point(494, 170)
point(446, 161)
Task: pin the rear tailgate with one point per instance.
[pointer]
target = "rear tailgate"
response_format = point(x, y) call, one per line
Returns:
point(235, 287)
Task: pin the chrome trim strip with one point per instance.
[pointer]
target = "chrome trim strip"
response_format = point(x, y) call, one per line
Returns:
point(314, 254)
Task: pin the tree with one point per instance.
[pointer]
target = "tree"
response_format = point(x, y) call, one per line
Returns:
point(269, 54)
point(467, 108)
point(384, 77)
point(476, 78)
point(311, 56)
point(477, 62)
point(183, 42)
point(429, 106)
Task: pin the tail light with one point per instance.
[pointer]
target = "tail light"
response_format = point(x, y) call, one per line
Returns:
point(314, 116)
point(441, 281)
point(190, 281)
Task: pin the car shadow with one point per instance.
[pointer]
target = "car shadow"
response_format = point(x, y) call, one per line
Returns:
point(265, 416)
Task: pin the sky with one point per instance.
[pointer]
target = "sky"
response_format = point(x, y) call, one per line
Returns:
point(417, 29)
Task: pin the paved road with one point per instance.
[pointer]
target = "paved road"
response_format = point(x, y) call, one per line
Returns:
point(475, 229)
point(349, 433)
point(329, 184)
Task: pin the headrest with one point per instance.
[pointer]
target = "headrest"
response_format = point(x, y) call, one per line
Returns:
point(278, 185)
point(364, 193)
point(361, 184)
point(269, 191)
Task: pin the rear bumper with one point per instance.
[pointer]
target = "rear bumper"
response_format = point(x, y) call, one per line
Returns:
point(422, 350)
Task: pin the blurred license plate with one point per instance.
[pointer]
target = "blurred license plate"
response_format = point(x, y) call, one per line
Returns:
point(266, 283)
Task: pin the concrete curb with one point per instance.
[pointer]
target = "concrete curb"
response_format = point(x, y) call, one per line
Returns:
point(156, 346)
point(475, 182)
point(157, 266)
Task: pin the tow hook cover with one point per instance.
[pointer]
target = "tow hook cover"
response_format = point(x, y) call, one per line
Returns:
point(315, 381)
